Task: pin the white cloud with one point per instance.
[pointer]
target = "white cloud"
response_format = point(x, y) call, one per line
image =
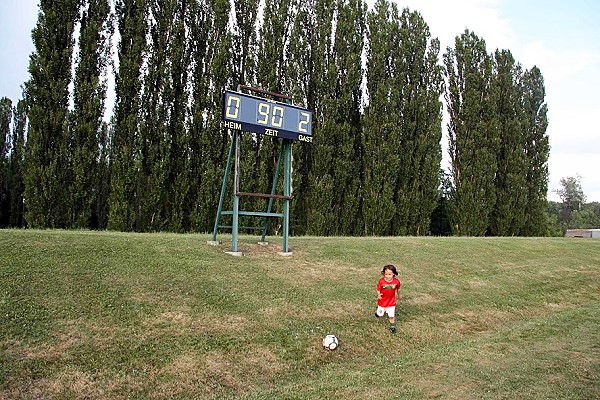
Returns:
point(448, 19)
point(560, 63)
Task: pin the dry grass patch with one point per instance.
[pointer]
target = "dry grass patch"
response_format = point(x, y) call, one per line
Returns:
point(339, 310)
point(181, 322)
point(368, 393)
point(456, 390)
point(330, 310)
point(66, 383)
point(75, 382)
point(467, 321)
point(184, 374)
point(177, 322)
point(70, 335)
point(419, 299)
point(304, 274)
point(44, 351)
point(220, 324)
point(211, 373)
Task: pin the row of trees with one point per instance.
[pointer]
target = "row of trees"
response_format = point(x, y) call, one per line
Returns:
point(498, 144)
point(373, 79)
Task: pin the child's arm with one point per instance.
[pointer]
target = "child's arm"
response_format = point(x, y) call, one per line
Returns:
point(378, 294)
point(398, 293)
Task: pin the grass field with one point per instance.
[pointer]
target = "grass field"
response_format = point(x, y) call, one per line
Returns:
point(104, 315)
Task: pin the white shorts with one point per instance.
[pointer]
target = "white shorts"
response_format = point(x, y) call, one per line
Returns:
point(390, 311)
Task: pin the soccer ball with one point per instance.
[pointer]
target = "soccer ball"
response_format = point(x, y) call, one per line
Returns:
point(330, 342)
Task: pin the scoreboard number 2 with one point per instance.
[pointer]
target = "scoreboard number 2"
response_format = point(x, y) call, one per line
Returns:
point(303, 124)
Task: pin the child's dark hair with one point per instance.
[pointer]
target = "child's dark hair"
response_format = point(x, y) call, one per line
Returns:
point(389, 267)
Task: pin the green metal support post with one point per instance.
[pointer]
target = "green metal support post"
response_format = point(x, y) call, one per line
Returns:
point(287, 191)
point(236, 196)
point(273, 190)
point(224, 187)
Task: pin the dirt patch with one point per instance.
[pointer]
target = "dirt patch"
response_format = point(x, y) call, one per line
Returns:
point(262, 250)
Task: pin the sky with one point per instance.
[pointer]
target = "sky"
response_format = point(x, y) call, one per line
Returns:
point(560, 37)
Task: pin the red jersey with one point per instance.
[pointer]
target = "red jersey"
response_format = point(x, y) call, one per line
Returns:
point(388, 292)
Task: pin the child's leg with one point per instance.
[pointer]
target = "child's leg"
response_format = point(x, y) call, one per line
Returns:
point(392, 319)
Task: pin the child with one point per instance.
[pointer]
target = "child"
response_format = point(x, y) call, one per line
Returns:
point(388, 290)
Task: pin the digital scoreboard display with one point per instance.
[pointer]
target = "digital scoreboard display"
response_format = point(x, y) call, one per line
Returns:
point(254, 114)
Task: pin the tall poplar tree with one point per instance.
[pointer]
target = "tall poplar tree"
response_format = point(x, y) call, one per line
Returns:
point(349, 46)
point(104, 164)
point(537, 151)
point(123, 205)
point(507, 215)
point(473, 134)
point(211, 72)
point(89, 95)
point(246, 71)
point(16, 165)
point(156, 134)
point(177, 98)
point(321, 213)
point(312, 81)
point(415, 99)
point(244, 39)
point(402, 123)
point(337, 168)
point(381, 129)
point(47, 174)
point(5, 139)
point(306, 55)
point(275, 64)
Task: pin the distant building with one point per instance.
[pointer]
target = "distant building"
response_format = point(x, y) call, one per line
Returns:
point(583, 233)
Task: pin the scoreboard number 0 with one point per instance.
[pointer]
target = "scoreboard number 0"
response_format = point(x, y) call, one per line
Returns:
point(232, 109)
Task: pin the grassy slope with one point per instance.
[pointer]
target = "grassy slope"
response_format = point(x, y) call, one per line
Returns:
point(102, 315)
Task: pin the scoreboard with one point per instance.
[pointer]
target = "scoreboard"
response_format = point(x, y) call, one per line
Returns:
point(268, 117)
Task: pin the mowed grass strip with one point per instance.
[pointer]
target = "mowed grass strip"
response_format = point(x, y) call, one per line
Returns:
point(105, 315)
